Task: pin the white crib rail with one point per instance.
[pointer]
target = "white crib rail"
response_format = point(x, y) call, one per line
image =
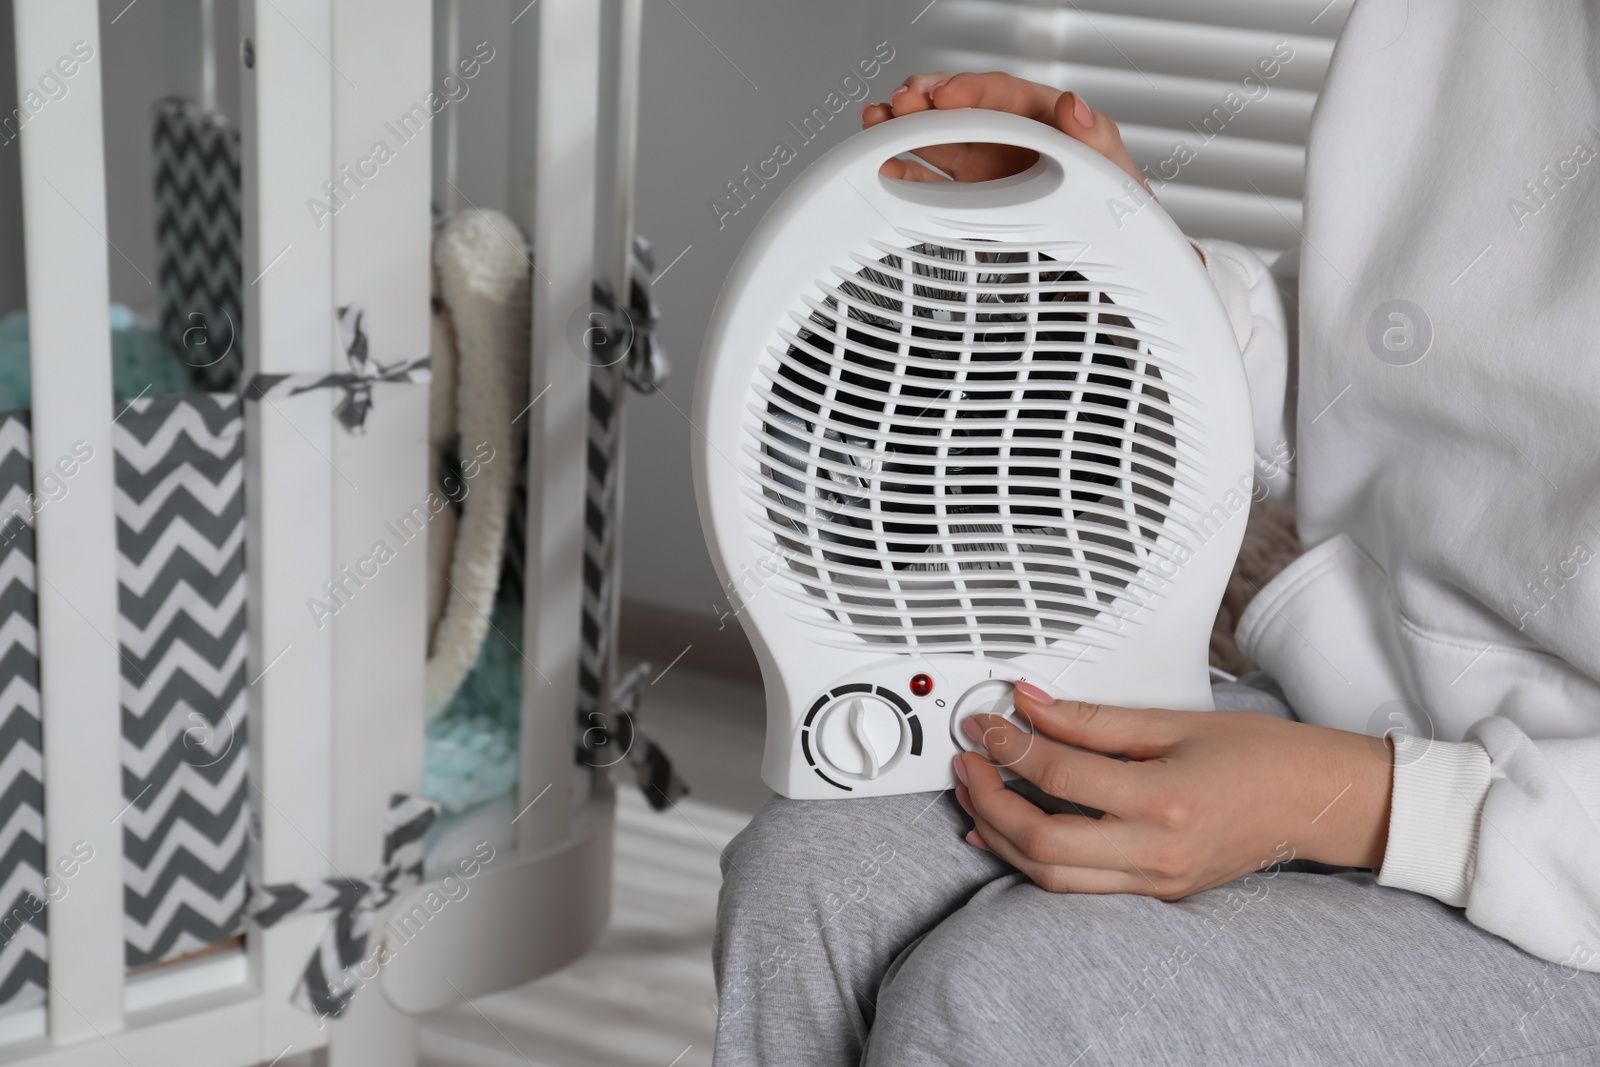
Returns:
point(382, 240)
point(619, 99)
point(552, 196)
point(335, 714)
point(286, 105)
point(64, 189)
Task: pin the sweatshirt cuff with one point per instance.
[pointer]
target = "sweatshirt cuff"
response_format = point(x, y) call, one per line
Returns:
point(1439, 789)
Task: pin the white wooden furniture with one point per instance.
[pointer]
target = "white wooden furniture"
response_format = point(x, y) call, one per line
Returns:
point(336, 715)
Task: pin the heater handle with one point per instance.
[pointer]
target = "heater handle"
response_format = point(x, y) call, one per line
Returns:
point(980, 125)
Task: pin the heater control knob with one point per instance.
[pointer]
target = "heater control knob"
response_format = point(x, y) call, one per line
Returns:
point(860, 734)
point(991, 697)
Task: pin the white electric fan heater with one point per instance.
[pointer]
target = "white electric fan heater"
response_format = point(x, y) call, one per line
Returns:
point(958, 435)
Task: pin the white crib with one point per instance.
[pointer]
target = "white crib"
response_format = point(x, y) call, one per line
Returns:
point(335, 716)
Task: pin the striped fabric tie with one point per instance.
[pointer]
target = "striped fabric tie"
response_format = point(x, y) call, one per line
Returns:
point(328, 984)
point(365, 372)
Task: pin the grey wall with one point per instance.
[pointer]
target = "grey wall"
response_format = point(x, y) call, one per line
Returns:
point(702, 121)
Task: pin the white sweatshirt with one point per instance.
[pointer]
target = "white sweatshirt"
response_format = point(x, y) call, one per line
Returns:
point(1445, 459)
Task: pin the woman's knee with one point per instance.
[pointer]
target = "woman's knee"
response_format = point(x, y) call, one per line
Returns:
point(818, 848)
point(857, 878)
point(823, 893)
point(1019, 974)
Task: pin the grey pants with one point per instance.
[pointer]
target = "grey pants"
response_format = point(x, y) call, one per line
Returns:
point(867, 931)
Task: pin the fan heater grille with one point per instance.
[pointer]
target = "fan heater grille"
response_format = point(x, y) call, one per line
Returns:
point(969, 446)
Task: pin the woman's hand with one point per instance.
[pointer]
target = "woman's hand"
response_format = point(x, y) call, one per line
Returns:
point(1205, 798)
point(1067, 112)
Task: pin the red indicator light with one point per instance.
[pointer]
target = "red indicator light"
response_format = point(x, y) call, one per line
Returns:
point(921, 685)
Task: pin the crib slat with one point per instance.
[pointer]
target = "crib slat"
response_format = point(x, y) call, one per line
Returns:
point(381, 244)
point(619, 147)
point(286, 94)
point(553, 181)
point(618, 122)
point(64, 210)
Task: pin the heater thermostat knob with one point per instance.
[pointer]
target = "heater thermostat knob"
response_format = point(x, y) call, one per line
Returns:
point(859, 735)
point(991, 697)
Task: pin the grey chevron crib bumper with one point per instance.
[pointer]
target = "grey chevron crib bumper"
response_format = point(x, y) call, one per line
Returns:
point(181, 633)
point(22, 889)
point(181, 628)
point(197, 236)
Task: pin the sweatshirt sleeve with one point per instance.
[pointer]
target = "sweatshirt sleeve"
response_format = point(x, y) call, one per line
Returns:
point(1261, 307)
point(1508, 828)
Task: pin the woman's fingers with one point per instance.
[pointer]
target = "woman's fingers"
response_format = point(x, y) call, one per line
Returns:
point(1075, 118)
point(996, 92)
point(973, 162)
point(1057, 840)
point(1140, 733)
point(908, 169)
point(1059, 879)
point(1067, 112)
point(872, 114)
point(964, 162)
point(967, 162)
point(1081, 777)
point(914, 93)
point(911, 169)
point(1059, 857)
